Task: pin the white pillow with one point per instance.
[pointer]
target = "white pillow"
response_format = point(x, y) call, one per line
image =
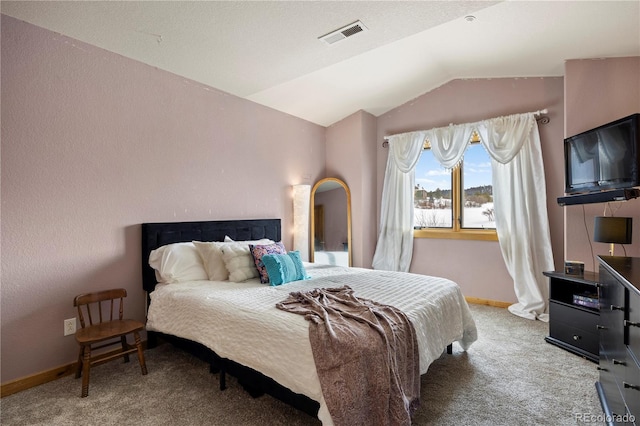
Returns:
point(179, 262)
point(228, 239)
point(239, 262)
point(211, 254)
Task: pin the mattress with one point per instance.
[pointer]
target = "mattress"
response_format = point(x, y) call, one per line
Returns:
point(239, 321)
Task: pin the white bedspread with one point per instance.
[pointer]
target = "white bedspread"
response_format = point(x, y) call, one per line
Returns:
point(239, 321)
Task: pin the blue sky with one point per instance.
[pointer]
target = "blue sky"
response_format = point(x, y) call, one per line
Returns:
point(477, 166)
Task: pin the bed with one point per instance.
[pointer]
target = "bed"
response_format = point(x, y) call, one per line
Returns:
point(238, 330)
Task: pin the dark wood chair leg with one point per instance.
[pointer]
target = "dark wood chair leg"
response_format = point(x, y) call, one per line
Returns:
point(125, 346)
point(143, 364)
point(86, 365)
point(79, 364)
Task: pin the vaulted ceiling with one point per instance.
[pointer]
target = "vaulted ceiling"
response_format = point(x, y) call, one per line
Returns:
point(269, 51)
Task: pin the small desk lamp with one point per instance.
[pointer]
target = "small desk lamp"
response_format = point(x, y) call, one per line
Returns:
point(613, 230)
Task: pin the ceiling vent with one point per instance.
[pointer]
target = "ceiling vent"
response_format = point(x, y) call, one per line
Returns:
point(344, 32)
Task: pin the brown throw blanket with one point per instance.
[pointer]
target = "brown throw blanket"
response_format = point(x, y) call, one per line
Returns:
point(366, 355)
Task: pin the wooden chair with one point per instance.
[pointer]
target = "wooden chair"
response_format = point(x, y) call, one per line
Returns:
point(100, 327)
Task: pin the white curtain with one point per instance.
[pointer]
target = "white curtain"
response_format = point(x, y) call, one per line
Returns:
point(520, 202)
point(395, 239)
point(449, 143)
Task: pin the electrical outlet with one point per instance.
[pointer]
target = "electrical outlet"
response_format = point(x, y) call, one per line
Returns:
point(69, 326)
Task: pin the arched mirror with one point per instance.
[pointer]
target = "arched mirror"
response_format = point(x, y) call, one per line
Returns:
point(331, 222)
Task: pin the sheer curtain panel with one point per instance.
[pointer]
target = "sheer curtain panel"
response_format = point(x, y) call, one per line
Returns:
point(520, 204)
point(395, 238)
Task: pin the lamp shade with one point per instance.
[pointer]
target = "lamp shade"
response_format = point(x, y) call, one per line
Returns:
point(301, 200)
point(613, 230)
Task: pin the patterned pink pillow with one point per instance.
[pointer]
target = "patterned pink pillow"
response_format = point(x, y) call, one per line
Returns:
point(257, 251)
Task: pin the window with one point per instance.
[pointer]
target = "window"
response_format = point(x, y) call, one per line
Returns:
point(456, 203)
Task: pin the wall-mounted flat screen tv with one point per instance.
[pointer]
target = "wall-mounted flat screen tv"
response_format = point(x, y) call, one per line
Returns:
point(604, 158)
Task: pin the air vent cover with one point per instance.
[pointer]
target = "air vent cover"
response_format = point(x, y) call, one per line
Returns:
point(344, 32)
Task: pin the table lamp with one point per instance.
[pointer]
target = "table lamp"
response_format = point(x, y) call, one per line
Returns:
point(612, 230)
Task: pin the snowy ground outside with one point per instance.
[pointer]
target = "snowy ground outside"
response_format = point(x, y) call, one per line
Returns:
point(441, 218)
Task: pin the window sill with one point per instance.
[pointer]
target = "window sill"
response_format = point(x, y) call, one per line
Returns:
point(467, 234)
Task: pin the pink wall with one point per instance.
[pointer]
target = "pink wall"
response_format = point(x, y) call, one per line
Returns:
point(351, 156)
point(93, 144)
point(477, 266)
point(598, 91)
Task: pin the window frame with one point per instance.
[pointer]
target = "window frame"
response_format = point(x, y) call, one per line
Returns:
point(456, 232)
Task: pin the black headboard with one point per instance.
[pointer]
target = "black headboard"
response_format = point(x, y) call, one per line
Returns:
point(156, 235)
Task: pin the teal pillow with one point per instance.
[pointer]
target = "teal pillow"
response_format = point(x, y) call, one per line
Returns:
point(284, 268)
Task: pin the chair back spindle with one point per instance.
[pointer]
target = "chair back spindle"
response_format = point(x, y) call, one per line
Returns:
point(91, 304)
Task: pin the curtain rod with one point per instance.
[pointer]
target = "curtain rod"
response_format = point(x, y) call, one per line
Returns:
point(541, 120)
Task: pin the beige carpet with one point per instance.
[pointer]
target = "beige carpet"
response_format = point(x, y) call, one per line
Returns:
point(510, 376)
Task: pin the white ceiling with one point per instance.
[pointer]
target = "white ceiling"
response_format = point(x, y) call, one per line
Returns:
point(269, 52)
